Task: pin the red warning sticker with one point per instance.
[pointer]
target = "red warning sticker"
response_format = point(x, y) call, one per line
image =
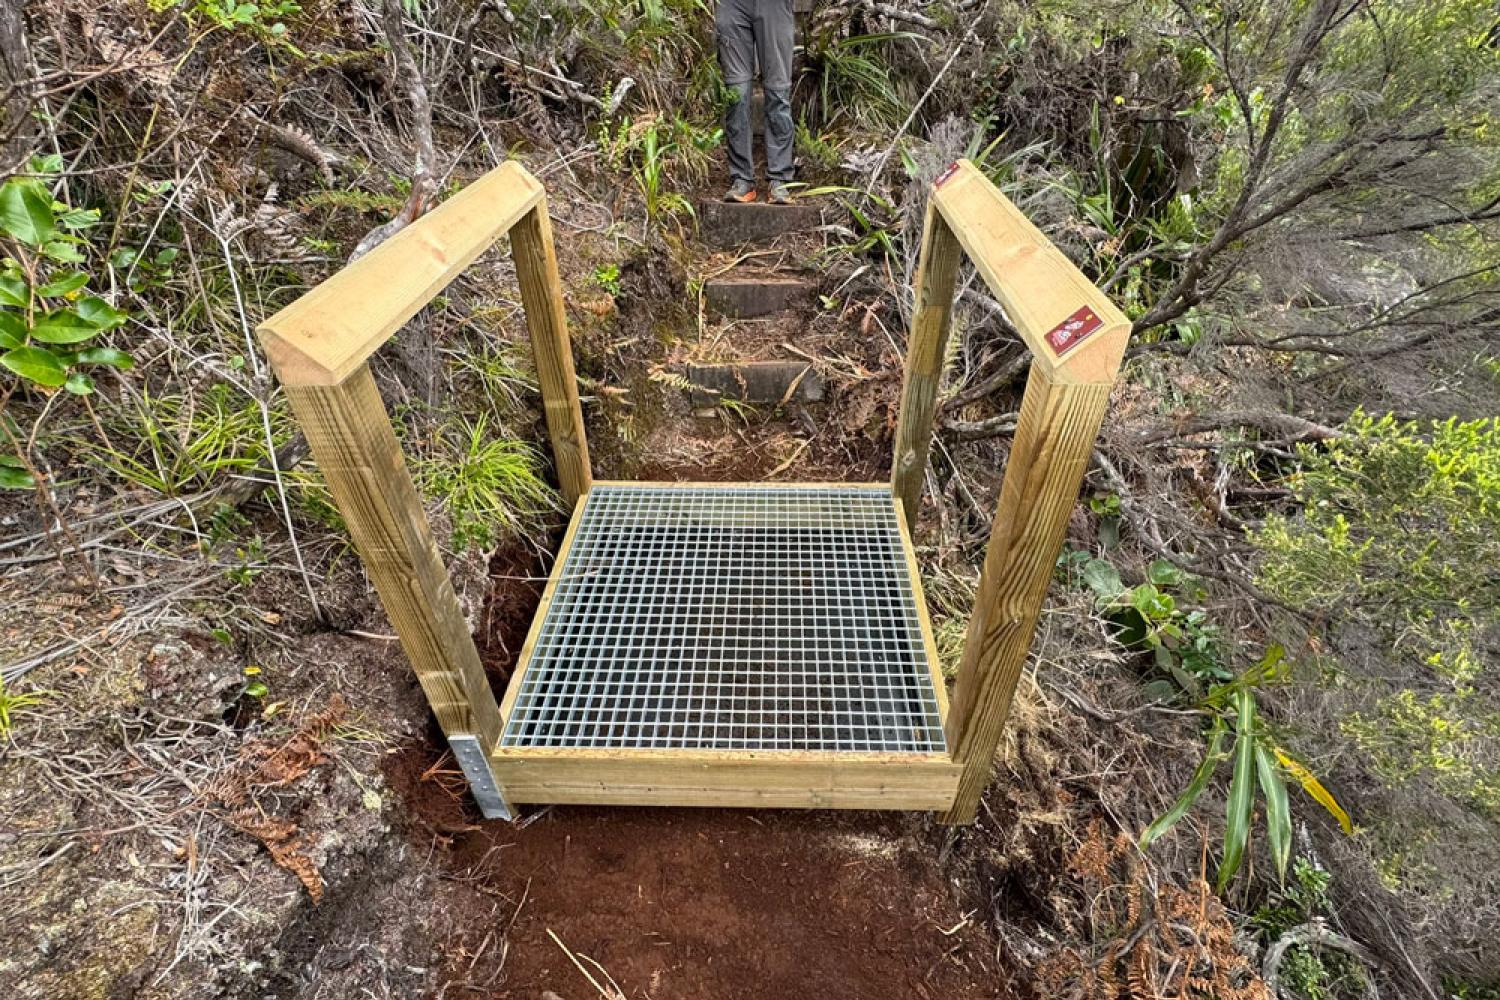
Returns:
point(946, 175)
point(1073, 330)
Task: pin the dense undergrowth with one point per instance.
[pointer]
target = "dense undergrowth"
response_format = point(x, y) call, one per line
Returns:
point(1279, 595)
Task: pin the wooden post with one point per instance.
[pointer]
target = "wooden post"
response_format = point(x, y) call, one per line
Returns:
point(937, 272)
point(351, 439)
point(1053, 442)
point(547, 318)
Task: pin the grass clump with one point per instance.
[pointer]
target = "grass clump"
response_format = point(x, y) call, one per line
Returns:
point(491, 487)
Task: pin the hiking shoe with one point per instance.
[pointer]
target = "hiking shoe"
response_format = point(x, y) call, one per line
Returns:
point(740, 191)
point(781, 194)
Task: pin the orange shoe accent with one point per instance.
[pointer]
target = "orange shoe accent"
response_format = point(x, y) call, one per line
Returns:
point(745, 199)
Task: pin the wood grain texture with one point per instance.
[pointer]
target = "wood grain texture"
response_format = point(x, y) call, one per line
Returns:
point(547, 319)
point(354, 446)
point(937, 270)
point(325, 335)
point(1037, 285)
point(929, 641)
point(762, 779)
point(1053, 442)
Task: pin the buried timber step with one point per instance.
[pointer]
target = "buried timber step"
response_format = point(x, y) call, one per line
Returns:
point(726, 224)
point(756, 382)
point(743, 298)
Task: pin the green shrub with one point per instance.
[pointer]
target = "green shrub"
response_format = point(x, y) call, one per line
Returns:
point(1398, 537)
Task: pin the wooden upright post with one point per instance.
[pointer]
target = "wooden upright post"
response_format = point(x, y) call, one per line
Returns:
point(1053, 442)
point(351, 439)
point(547, 318)
point(937, 272)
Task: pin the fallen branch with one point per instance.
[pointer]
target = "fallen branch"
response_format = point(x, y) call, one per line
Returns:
point(1290, 428)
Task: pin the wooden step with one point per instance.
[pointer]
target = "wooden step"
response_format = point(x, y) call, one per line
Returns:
point(725, 225)
point(756, 382)
point(745, 297)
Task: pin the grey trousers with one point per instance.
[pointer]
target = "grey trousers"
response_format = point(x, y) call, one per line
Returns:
point(755, 32)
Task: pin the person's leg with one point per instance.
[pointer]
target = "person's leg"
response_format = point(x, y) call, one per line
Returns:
point(734, 23)
point(775, 30)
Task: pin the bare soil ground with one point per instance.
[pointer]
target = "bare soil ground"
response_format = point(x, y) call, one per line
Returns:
point(671, 903)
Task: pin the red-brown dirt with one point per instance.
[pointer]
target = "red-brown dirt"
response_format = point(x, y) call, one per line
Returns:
point(696, 904)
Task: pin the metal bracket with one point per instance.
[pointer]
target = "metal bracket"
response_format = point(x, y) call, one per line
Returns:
point(476, 768)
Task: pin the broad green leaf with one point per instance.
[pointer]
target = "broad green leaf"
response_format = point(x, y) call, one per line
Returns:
point(1241, 788)
point(63, 327)
point(106, 356)
point(79, 384)
point(1102, 578)
point(100, 314)
point(70, 282)
point(1164, 574)
point(1312, 786)
point(26, 212)
point(63, 252)
point(36, 364)
point(1151, 602)
point(13, 475)
point(12, 330)
point(1195, 787)
point(13, 291)
point(79, 218)
point(1278, 810)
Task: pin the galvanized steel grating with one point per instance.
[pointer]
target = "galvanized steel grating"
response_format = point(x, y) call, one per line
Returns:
point(760, 618)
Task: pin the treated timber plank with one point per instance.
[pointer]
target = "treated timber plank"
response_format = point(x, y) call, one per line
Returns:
point(1038, 286)
point(357, 452)
point(929, 641)
point(729, 778)
point(547, 319)
point(1053, 442)
point(327, 333)
point(759, 382)
point(937, 271)
point(747, 297)
point(725, 225)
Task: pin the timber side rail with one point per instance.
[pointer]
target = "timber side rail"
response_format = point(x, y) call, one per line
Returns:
point(320, 346)
point(1077, 340)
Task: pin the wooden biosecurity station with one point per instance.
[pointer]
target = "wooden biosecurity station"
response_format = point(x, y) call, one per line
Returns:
point(716, 644)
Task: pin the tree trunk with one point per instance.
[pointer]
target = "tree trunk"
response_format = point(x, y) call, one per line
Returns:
point(16, 125)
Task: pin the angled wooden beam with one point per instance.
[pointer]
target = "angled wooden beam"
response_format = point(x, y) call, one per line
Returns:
point(937, 271)
point(325, 335)
point(1071, 327)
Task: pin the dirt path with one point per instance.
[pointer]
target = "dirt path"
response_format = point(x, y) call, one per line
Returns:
point(701, 904)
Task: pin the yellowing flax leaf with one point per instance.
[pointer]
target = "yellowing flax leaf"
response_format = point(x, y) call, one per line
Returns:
point(1312, 786)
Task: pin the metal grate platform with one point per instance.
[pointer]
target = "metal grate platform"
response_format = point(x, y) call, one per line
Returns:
point(731, 618)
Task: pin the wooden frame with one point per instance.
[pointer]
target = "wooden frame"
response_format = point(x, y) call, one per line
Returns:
point(1077, 340)
point(320, 347)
